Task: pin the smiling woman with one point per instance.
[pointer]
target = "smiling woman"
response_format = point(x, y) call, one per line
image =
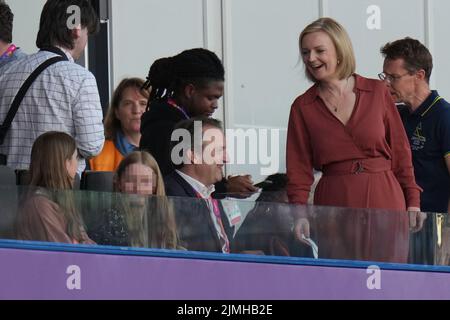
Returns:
point(367, 163)
point(122, 124)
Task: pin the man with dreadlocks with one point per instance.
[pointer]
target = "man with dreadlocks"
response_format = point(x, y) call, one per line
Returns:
point(184, 86)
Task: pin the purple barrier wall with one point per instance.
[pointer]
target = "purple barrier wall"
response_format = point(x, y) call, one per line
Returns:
point(29, 274)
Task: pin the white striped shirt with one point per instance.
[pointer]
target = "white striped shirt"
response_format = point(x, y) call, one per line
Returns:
point(63, 98)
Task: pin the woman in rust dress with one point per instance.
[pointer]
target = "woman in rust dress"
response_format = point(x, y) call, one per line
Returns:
point(347, 126)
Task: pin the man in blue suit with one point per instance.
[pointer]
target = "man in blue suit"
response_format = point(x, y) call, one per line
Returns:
point(199, 158)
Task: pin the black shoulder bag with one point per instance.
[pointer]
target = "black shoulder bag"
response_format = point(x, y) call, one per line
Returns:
point(21, 94)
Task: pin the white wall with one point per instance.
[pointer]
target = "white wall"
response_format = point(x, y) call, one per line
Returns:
point(261, 48)
point(264, 71)
point(440, 45)
point(144, 31)
point(367, 43)
point(26, 22)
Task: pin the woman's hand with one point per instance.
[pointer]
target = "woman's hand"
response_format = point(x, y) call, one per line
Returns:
point(301, 229)
point(416, 219)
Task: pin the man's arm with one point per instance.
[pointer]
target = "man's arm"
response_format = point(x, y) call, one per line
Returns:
point(87, 118)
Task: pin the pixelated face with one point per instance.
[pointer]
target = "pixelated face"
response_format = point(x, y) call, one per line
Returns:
point(130, 110)
point(214, 156)
point(204, 101)
point(319, 55)
point(399, 80)
point(72, 165)
point(138, 179)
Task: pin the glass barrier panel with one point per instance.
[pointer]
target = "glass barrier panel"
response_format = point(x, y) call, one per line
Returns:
point(228, 225)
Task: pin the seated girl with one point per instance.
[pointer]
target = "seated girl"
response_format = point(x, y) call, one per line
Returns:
point(135, 219)
point(48, 212)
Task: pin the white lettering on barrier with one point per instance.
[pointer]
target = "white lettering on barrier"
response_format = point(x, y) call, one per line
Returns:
point(374, 280)
point(74, 280)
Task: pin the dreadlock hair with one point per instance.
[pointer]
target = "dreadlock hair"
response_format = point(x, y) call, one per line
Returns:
point(160, 78)
point(168, 76)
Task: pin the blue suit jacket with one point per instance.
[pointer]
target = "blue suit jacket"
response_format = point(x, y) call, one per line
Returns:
point(195, 226)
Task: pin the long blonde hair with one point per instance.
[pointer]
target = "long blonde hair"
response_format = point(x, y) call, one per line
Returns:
point(152, 225)
point(48, 170)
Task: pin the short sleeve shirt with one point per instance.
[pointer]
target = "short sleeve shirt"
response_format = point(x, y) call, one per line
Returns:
point(428, 130)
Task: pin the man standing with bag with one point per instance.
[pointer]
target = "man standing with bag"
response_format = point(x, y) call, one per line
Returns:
point(63, 96)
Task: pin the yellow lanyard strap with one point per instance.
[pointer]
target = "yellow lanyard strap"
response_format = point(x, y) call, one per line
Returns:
point(434, 102)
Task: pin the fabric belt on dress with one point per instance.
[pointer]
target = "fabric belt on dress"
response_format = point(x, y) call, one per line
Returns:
point(369, 165)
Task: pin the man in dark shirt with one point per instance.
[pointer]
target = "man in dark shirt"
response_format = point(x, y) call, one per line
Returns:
point(426, 116)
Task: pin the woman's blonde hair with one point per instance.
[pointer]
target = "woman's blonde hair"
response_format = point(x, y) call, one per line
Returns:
point(342, 43)
point(154, 224)
point(112, 123)
point(48, 170)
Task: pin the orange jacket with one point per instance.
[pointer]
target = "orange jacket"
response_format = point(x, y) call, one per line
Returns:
point(108, 159)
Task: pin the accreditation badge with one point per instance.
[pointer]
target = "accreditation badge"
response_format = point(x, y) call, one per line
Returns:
point(232, 212)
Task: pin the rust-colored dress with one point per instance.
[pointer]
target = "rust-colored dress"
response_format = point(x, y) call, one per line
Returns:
point(365, 163)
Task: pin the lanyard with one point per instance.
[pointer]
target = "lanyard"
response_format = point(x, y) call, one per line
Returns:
point(215, 206)
point(8, 53)
point(434, 102)
point(174, 104)
point(216, 210)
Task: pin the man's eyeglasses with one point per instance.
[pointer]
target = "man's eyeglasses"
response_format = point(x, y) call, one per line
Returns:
point(389, 78)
